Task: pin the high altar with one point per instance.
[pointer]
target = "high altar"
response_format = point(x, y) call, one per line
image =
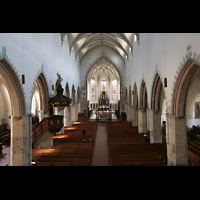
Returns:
point(103, 101)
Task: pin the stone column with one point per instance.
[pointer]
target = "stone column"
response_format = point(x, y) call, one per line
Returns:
point(21, 140)
point(73, 113)
point(69, 116)
point(177, 148)
point(66, 117)
point(155, 126)
point(142, 120)
point(77, 107)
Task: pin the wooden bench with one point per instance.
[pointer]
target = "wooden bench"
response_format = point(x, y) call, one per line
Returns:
point(140, 163)
point(36, 157)
point(4, 134)
point(193, 156)
point(62, 164)
point(194, 146)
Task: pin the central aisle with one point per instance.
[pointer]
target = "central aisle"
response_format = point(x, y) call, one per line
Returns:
point(100, 155)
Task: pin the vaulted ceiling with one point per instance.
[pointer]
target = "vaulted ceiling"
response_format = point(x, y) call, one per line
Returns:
point(103, 66)
point(85, 42)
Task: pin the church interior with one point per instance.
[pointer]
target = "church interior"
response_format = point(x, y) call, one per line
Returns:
point(99, 99)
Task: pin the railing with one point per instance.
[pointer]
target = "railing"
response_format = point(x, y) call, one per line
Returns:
point(40, 129)
point(53, 124)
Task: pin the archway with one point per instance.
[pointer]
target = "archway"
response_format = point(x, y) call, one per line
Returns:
point(20, 137)
point(73, 95)
point(135, 106)
point(13, 85)
point(181, 87)
point(142, 110)
point(40, 97)
point(129, 108)
point(67, 94)
point(135, 96)
point(157, 112)
point(5, 106)
point(192, 101)
point(104, 77)
point(178, 148)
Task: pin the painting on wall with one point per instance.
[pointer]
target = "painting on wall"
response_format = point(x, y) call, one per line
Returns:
point(197, 110)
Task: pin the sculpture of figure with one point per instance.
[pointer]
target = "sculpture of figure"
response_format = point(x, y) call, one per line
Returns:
point(59, 80)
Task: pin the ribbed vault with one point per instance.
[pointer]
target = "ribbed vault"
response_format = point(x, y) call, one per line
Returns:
point(103, 66)
point(85, 42)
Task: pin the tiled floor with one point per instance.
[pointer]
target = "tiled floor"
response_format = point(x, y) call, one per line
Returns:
point(5, 160)
point(100, 156)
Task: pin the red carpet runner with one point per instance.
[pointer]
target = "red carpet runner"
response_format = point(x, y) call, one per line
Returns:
point(100, 156)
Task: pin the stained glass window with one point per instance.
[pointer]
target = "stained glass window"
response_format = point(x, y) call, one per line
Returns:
point(114, 89)
point(93, 89)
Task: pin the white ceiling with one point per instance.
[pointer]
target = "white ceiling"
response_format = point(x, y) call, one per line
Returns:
point(85, 42)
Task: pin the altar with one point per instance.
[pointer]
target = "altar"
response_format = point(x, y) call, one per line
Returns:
point(103, 111)
point(103, 102)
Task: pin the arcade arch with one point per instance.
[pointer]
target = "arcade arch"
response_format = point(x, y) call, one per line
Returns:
point(181, 98)
point(40, 97)
point(20, 137)
point(157, 112)
point(142, 110)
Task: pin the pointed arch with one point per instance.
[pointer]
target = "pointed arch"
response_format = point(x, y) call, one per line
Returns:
point(13, 85)
point(43, 91)
point(73, 95)
point(181, 87)
point(135, 96)
point(155, 93)
point(104, 65)
point(143, 95)
point(67, 94)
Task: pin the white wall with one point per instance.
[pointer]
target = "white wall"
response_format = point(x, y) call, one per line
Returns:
point(166, 51)
point(30, 51)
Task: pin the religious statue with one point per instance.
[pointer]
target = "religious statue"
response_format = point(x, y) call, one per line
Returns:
point(59, 80)
point(59, 101)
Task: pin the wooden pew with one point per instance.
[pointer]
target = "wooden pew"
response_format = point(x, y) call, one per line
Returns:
point(4, 134)
point(62, 164)
point(140, 163)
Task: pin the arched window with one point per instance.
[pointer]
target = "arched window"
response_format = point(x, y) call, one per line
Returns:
point(93, 89)
point(103, 84)
point(114, 89)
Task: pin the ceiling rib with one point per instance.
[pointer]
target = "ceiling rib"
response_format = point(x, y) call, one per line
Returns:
point(119, 42)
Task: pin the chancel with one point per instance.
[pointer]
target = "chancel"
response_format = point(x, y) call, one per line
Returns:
point(103, 110)
point(99, 99)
